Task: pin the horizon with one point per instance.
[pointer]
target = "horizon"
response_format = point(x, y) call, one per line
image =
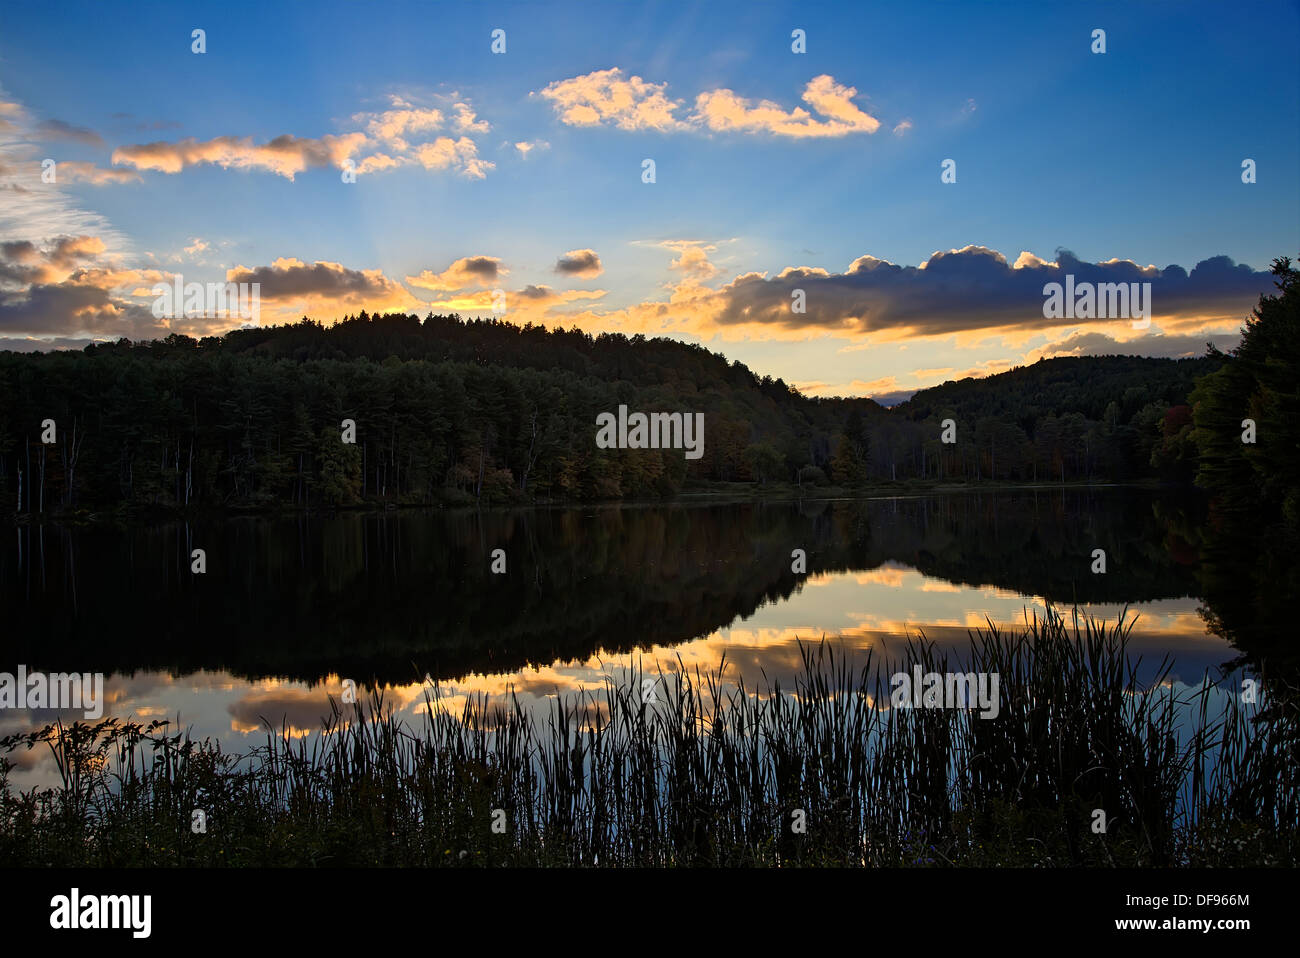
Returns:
point(887, 401)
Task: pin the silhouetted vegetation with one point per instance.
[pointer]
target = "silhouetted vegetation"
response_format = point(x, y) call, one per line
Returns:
point(709, 773)
point(1246, 419)
point(454, 411)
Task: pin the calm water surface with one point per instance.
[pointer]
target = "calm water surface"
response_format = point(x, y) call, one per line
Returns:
point(290, 607)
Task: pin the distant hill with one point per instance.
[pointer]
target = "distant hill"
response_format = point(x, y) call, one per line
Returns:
point(1086, 385)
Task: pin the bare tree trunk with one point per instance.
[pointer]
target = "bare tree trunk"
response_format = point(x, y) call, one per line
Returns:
point(532, 457)
point(72, 463)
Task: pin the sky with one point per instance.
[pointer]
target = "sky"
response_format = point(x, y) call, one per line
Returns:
point(386, 157)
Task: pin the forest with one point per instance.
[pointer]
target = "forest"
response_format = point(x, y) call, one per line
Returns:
point(454, 411)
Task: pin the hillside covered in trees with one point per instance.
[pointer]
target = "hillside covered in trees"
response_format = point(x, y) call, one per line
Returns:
point(448, 410)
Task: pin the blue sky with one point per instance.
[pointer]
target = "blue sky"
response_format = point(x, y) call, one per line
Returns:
point(1131, 155)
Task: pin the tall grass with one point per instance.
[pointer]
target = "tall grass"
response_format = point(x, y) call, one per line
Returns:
point(709, 773)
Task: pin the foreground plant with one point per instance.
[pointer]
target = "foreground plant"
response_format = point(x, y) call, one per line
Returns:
point(1080, 764)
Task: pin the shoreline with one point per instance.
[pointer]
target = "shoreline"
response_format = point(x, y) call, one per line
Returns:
point(719, 494)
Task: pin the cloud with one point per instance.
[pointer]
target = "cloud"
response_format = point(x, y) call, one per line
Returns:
point(59, 130)
point(70, 171)
point(403, 135)
point(886, 386)
point(68, 251)
point(971, 289)
point(69, 310)
point(378, 162)
point(29, 344)
point(902, 127)
point(462, 155)
point(13, 117)
point(291, 288)
point(68, 290)
point(32, 208)
point(692, 260)
point(1177, 346)
point(583, 263)
point(525, 147)
point(23, 261)
point(405, 119)
point(65, 298)
point(531, 304)
point(987, 311)
point(607, 98)
point(285, 155)
point(392, 126)
point(467, 121)
point(303, 710)
point(288, 278)
point(723, 110)
point(468, 271)
point(891, 390)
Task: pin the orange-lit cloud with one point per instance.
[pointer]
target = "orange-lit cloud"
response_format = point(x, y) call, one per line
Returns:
point(608, 98)
point(983, 313)
point(972, 290)
point(583, 263)
point(293, 288)
point(403, 135)
point(723, 110)
point(391, 127)
point(460, 154)
point(466, 272)
point(285, 155)
point(70, 171)
point(527, 146)
point(467, 121)
point(692, 259)
point(25, 262)
point(856, 387)
point(531, 304)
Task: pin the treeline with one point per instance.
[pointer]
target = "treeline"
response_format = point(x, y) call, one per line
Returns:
point(477, 410)
point(1246, 426)
point(1097, 417)
point(483, 410)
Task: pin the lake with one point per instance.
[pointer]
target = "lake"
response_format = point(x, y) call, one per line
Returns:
point(290, 607)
